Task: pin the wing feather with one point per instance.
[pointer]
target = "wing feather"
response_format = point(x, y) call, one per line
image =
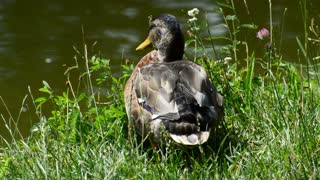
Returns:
point(179, 96)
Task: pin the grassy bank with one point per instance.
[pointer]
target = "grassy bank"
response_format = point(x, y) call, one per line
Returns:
point(271, 127)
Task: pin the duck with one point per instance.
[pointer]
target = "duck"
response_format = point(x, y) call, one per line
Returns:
point(169, 99)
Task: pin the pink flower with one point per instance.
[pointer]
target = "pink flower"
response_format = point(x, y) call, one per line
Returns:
point(263, 33)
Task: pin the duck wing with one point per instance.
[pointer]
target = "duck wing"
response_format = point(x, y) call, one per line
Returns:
point(178, 97)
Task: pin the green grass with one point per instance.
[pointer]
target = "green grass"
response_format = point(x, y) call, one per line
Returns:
point(271, 128)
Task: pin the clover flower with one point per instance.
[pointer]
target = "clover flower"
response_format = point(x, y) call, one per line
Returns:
point(263, 34)
point(193, 19)
point(195, 29)
point(193, 12)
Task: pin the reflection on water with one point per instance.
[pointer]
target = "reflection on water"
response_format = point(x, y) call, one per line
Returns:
point(37, 38)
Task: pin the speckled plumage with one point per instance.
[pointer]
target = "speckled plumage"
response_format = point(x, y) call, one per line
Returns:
point(169, 97)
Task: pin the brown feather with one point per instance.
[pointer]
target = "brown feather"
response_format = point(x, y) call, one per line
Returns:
point(152, 93)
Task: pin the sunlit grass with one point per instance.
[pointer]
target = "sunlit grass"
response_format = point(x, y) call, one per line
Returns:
point(271, 128)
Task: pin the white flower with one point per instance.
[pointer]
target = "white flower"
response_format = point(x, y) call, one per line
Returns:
point(193, 12)
point(195, 29)
point(193, 19)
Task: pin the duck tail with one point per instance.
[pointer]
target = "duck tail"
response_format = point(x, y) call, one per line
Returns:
point(191, 126)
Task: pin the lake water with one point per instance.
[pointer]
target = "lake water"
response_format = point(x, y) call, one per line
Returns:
point(37, 39)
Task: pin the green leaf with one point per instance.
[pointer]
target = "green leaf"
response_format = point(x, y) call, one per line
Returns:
point(222, 25)
point(4, 167)
point(125, 67)
point(231, 17)
point(45, 90)
point(190, 41)
point(81, 97)
point(115, 80)
point(249, 26)
point(41, 99)
point(224, 5)
point(218, 38)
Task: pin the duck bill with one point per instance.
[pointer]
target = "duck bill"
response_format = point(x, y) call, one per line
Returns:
point(143, 45)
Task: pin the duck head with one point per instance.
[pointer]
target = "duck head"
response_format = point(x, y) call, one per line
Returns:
point(166, 37)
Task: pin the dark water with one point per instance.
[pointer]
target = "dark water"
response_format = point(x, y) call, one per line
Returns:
point(37, 38)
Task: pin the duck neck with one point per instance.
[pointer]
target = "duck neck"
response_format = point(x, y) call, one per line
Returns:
point(174, 50)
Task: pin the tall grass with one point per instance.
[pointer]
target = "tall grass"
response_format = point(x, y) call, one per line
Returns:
point(271, 128)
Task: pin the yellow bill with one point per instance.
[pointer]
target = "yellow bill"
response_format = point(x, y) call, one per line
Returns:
point(143, 45)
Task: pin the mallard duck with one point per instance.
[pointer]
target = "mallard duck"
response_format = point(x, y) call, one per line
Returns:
point(167, 97)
